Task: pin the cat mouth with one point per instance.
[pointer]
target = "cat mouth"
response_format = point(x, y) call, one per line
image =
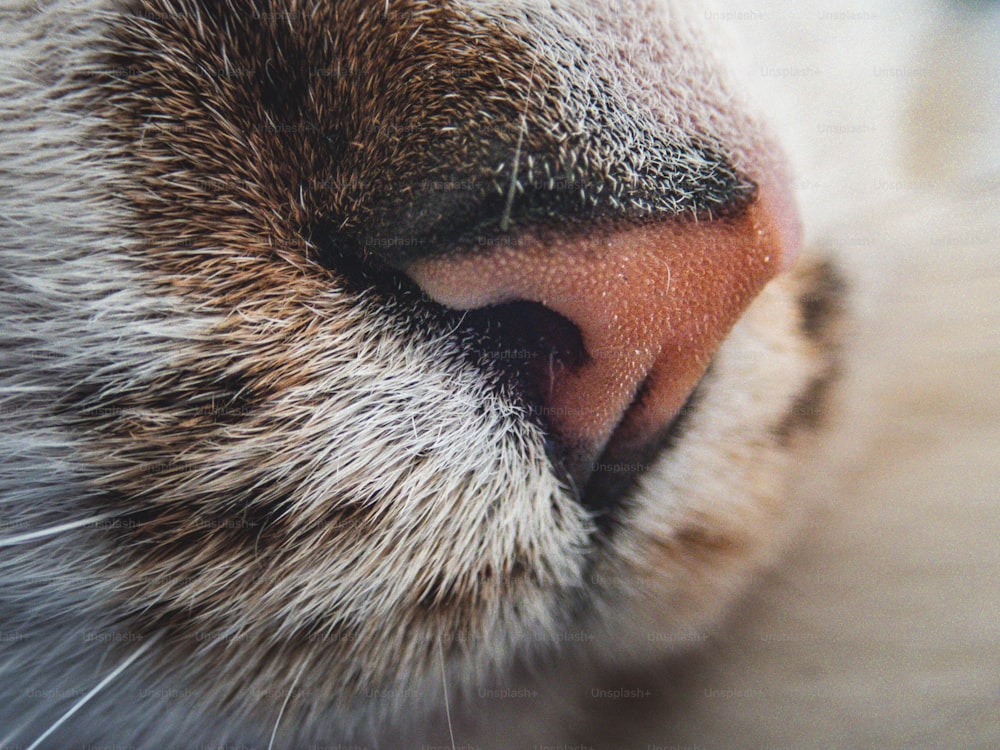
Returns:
point(620, 467)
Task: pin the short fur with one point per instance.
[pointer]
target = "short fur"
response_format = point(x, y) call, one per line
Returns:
point(297, 503)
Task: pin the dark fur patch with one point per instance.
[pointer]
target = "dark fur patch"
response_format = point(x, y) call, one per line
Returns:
point(822, 309)
point(822, 302)
point(810, 408)
point(699, 542)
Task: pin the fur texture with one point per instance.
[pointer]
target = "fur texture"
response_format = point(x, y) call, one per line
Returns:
point(268, 497)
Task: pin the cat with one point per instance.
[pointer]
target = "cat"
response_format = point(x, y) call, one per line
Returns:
point(361, 360)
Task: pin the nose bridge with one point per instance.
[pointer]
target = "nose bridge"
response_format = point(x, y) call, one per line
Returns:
point(583, 124)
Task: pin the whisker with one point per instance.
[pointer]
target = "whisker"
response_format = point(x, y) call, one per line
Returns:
point(94, 691)
point(508, 207)
point(444, 685)
point(281, 711)
point(29, 536)
point(505, 219)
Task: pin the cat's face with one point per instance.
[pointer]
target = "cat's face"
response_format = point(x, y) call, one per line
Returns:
point(356, 341)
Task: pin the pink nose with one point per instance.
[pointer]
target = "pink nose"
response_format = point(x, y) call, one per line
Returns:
point(652, 302)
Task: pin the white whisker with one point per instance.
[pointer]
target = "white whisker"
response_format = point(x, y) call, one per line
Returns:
point(29, 536)
point(444, 685)
point(94, 691)
point(281, 711)
point(508, 207)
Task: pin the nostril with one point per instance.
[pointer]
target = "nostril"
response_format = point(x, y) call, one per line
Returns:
point(526, 345)
point(531, 346)
point(527, 335)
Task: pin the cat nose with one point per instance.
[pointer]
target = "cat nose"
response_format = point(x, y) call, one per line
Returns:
point(652, 302)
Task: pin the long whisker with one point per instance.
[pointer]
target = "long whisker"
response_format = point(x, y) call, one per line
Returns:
point(94, 691)
point(281, 711)
point(444, 685)
point(29, 536)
